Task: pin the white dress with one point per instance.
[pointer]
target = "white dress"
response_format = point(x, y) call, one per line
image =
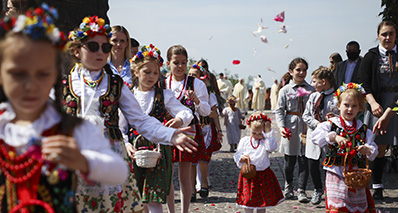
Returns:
point(232, 121)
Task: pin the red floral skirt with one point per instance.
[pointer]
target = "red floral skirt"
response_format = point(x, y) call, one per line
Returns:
point(260, 192)
point(214, 146)
point(179, 156)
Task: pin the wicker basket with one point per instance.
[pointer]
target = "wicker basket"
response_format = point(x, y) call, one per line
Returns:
point(357, 178)
point(147, 158)
point(248, 170)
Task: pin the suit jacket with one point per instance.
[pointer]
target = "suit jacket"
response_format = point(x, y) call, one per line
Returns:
point(340, 72)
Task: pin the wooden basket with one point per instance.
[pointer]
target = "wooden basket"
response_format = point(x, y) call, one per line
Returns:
point(357, 178)
point(248, 170)
point(147, 158)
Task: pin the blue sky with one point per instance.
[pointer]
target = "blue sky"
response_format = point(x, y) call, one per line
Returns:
point(316, 29)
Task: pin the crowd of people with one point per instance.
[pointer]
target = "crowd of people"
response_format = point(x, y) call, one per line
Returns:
point(104, 136)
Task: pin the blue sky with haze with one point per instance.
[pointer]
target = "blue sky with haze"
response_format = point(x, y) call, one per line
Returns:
point(315, 29)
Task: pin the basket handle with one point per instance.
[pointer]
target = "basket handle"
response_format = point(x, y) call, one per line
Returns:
point(345, 164)
point(138, 137)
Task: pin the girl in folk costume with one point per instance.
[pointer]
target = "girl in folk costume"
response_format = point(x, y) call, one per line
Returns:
point(93, 92)
point(192, 93)
point(291, 103)
point(211, 130)
point(42, 149)
point(319, 106)
point(344, 135)
point(154, 182)
point(263, 190)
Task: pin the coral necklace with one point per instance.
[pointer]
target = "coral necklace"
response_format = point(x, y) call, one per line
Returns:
point(348, 129)
point(183, 86)
point(251, 143)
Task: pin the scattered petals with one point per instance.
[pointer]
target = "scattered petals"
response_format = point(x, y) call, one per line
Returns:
point(196, 209)
point(302, 92)
point(294, 207)
point(283, 29)
point(270, 69)
point(264, 39)
point(235, 62)
point(280, 17)
point(212, 204)
point(313, 207)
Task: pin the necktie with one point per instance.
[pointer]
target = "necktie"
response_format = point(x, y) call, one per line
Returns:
point(390, 54)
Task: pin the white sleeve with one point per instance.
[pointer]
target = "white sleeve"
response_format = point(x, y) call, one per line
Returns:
point(372, 145)
point(213, 100)
point(123, 126)
point(176, 108)
point(308, 116)
point(320, 136)
point(105, 166)
point(239, 152)
point(144, 124)
point(203, 108)
point(272, 145)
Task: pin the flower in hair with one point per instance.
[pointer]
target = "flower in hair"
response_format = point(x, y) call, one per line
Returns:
point(202, 70)
point(257, 117)
point(36, 23)
point(91, 26)
point(148, 51)
point(345, 87)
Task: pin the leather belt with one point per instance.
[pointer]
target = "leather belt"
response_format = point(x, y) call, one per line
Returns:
point(294, 113)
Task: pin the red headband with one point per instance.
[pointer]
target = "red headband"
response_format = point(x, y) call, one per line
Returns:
point(257, 117)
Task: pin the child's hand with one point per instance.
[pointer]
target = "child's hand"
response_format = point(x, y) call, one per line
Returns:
point(64, 150)
point(130, 150)
point(329, 115)
point(183, 142)
point(244, 159)
point(220, 137)
point(192, 96)
point(363, 149)
point(341, 141)
point(285, 132)
point(174, 123)
point(282, 130)
point(267, 127)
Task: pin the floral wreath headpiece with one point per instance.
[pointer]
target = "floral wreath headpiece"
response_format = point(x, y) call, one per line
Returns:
point(90, 26)
point(148, 51)
point(345, 87)
point(257, 117)
point(36, 23)
point(202, 70)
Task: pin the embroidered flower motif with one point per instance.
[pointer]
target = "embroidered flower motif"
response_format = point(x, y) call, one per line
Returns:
point(72, 104)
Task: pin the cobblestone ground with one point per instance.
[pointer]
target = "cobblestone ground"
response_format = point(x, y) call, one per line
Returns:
point(224, 176)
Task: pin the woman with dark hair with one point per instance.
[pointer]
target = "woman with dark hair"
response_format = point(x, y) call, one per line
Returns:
point(378, 75)
point(334, 59)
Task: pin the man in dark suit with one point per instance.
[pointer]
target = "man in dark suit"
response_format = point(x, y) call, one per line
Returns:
point(347, 71)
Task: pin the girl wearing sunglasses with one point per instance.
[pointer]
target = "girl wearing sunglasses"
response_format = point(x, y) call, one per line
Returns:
point(93, 92)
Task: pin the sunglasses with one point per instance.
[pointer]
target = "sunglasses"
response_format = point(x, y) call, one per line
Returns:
point(94, 46)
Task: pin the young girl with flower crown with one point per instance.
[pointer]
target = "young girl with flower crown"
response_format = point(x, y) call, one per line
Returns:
point(344, 135)
point(192, 93)
point(211, 130)
point(319, 107)
point(42, 149)
point(93, 92)
point(263, 190)
point(154, 182)
point(289, 113)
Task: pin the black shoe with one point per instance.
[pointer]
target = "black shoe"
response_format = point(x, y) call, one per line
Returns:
point(378, 194)
point(193, 198)
point(203, 192)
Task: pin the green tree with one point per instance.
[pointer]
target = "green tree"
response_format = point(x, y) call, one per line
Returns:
point(390, 11)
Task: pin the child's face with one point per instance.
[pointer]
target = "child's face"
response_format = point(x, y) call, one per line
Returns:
point(194, 72)
point(257, 132)
point(93, 61)
point(299, 72)
point(28, 71)
point(232, 103)
point(148, 75)
point(178, 64)
point(119, 42)
point(318, 84)
point(349, 107)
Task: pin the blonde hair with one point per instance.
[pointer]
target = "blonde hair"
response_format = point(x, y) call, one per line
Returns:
point(119, 28)
point(139, 63)
point(257, 122)
point(231, 98)
point(353, 93)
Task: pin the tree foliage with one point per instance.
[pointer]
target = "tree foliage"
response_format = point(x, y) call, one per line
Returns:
point(390, 11)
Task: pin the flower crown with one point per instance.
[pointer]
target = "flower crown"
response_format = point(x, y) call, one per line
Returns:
point(90, 26)
point(202, 70)
point(257, 117)
point(345, 87)
point(36, 23)
point(148, 51)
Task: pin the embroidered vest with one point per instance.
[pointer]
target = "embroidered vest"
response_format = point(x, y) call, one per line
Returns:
point(52, 185)
point(109, 103)
point(335, 155)
point(158, 111)
point(185, 101)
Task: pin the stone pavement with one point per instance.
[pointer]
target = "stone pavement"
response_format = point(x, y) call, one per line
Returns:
point(224, 176)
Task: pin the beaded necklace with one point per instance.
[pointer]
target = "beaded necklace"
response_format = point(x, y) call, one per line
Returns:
point(94, 83)
point(251, 143)
point(348, 129)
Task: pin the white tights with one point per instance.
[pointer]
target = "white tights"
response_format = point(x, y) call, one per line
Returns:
point(154, 207)
point(251, 210)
